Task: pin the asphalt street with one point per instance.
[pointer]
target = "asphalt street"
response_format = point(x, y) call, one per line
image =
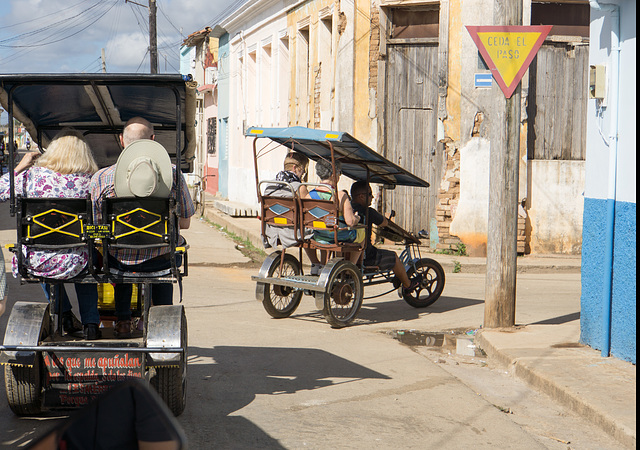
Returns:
point(258, 382)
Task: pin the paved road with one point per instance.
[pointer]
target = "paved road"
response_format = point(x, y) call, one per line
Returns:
point(257, 382)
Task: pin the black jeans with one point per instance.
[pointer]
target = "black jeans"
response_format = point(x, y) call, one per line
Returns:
point(161, 293)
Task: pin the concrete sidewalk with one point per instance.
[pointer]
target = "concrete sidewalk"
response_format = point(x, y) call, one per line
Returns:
point(549, 358)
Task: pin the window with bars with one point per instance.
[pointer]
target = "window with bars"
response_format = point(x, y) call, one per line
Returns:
point(211, 135)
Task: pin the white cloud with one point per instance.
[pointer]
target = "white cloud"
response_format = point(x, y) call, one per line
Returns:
point(127, 50)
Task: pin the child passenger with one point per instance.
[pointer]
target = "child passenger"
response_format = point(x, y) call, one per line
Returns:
point(294, 173)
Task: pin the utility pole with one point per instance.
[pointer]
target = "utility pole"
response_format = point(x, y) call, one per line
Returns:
point(500, 285)
point(153, 38)
point(104, 62)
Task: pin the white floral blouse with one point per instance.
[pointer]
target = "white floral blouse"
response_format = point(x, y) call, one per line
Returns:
point(41, 182)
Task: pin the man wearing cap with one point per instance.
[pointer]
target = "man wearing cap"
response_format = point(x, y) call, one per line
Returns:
point(143, 169)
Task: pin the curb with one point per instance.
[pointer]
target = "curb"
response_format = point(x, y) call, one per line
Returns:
point(220, 218)
point(563, 395)
point(251, 232)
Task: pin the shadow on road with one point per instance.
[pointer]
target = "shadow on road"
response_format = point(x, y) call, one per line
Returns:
point(236, 375)
point(395, 309)
point(558, 320)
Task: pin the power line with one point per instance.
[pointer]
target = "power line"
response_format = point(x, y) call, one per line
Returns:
point(228, 10)
point(143, 60)
point(113, 31)
point(90, 64)
point(47, 27)
point(143, 24)
point(168, 20)
point(15, 24)
point(169, 62)
point(52, 39)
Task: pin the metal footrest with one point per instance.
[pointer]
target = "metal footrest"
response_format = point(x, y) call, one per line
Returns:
point(304, 282)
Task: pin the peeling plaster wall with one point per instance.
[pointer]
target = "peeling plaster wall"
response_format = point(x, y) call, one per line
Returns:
point(466, 106)
point(470, 220)
point(556, 206)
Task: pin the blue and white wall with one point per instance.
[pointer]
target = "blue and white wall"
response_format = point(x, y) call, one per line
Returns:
point(608, 303)
point(223, 113)
point(187, 60)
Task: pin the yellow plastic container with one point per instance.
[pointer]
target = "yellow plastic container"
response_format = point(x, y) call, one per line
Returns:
point(105, 296)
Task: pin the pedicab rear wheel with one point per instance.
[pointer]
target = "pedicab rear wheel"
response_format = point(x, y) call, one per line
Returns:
point(24, 388)
point(24, 383)
point(171, 382)
point(430, 275)
point(281, 301)
point(343, 294)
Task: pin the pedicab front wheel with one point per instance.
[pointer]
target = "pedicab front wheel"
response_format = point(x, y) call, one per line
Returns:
point(430, 275)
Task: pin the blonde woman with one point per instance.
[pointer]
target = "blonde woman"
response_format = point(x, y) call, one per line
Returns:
point(63, 171)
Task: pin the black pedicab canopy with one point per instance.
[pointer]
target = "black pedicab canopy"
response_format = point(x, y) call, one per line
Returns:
point(99, 105)
point(359, 162)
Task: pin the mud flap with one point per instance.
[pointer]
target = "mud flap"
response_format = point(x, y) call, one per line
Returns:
point(164, 329)
point(24, 328)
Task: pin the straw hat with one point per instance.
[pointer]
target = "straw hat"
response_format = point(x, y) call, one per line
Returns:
point(143, 170)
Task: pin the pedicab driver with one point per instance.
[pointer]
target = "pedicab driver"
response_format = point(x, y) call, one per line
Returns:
point(361, 196)
point(112, 182)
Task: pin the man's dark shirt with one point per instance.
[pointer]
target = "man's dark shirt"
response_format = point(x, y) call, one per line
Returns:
point(374, 217)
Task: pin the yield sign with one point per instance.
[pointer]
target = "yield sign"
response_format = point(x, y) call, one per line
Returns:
point(508, 50)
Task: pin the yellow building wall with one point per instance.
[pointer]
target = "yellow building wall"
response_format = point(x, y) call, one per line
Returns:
point(362, 121)
point(311, 13)
point(454, 86)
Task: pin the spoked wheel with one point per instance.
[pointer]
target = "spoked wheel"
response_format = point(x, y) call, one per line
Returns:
point(171, 382)
point(280, 301)
point(430, 274)
point(343, 294)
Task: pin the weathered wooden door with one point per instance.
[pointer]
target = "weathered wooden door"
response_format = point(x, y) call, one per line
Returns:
point(557, 108)
point(410, 131)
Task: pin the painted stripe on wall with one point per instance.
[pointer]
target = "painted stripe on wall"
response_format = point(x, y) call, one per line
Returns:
point(623, 322)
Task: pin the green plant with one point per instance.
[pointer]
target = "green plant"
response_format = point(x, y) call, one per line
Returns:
point(244, 245)
point(457, 267)
point(460, 250)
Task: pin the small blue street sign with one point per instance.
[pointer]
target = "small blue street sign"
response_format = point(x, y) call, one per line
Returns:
point(482, 80)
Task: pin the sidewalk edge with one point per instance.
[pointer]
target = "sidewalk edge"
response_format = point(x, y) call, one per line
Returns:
point(220, 218)
point(565, 397)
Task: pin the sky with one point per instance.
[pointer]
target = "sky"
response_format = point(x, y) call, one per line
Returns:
point(67, 36)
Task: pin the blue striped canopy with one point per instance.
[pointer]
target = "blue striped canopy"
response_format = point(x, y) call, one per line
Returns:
point(359, 162)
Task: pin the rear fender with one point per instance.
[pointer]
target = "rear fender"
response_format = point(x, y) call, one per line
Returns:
point(164, 329)
point(264, 273)
point(25, 326)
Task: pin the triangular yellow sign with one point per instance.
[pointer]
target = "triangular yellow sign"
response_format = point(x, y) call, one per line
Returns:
point(508, 50)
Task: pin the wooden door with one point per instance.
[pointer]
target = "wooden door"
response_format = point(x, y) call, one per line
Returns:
point(411, 102)
point(557, 109)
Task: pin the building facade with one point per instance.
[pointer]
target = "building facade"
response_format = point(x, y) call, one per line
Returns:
point(399, 76)
point(608, 301)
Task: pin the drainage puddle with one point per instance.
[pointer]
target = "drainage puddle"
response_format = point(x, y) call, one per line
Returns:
point(460, 343)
